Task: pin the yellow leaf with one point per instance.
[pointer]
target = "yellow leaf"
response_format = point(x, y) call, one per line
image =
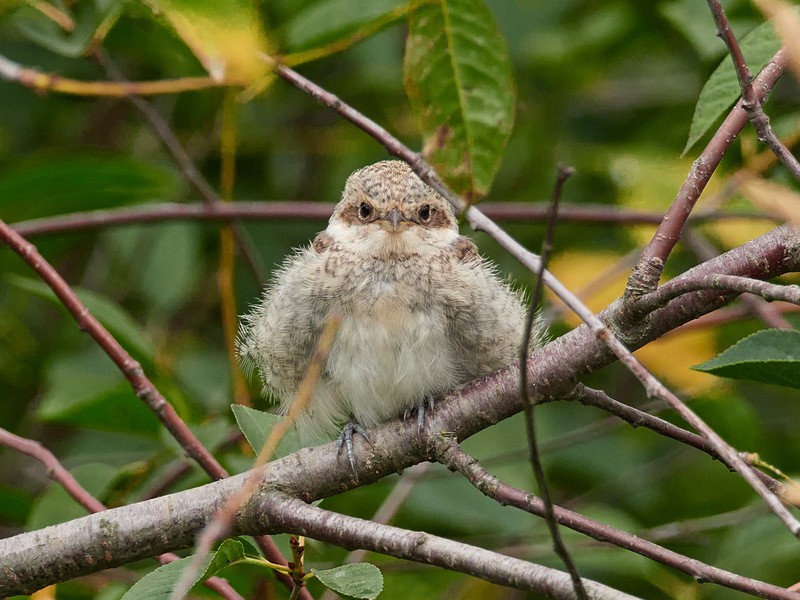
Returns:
point(787, 26)
point(773, 198)
point(670, 357)
point(599, 278)
point(226, 36)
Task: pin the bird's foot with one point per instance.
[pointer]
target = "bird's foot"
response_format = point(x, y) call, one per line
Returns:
point(425, 404)
point(345, 440)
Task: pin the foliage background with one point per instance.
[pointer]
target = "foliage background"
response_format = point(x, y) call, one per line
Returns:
point(608, 87)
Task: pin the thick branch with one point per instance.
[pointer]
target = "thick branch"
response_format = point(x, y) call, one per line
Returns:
point(292, 514)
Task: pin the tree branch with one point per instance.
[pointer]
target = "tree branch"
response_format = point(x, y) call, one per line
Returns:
point(456, 459)
point(651, 264)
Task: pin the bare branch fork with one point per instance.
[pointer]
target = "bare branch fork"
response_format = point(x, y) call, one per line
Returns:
point(648, 271)
point(751, 102)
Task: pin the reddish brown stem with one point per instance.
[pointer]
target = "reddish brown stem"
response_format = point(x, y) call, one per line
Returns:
point(648, 271)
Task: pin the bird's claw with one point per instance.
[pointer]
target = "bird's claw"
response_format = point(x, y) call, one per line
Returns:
point(345, 440)
point(425, 404)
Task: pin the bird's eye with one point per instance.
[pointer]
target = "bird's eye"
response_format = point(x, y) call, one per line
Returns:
point(364, 211)
point(425, 211)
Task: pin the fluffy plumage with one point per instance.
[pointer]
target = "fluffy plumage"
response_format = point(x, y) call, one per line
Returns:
point(421, 311)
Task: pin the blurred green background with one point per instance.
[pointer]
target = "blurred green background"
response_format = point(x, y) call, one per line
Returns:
point(608, 87)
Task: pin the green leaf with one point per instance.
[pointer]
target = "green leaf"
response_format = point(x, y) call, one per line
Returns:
point(228, 552)
point(112, 316)
point(768, 356)
point(360, 580)
point(459, 82)
point(170, 271)
point(320, 23)
point(158, 584)
point(722, 88)
point(85, 388)
point(256, 425)
point(53, 184)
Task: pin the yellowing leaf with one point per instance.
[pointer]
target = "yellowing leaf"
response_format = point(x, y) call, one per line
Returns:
point(597, 278)
point(670, 357)
point(773, 198)
point(226, 36)
point(787, 25)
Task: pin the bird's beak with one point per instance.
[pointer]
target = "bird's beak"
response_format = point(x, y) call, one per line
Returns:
point(392, 220)
point(394, 217)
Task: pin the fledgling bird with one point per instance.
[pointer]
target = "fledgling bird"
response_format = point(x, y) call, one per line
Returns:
point(421, 311)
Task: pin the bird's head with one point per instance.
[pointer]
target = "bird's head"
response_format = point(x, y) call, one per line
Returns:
point(386, 208)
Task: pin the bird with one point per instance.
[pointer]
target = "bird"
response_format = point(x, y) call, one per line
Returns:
point(421, 311)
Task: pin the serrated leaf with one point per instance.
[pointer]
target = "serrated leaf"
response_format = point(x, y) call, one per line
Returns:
point(722, 88)
point(226, 36)
point(228, 552)
point(118, 322)
point(326, 21)
point(768, 356)
point(158, 584)
point(256, 425)
point(360, 580)
point(459, 83)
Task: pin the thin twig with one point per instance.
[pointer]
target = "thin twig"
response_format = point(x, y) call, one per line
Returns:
point(455, 458)
point(317, 211)
point(729, 283)
point(751, 102)
point(45, 82)
point(648, 271)
point(130, 368)
point(638, 418)
point(768, 313)
point(564, 172)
